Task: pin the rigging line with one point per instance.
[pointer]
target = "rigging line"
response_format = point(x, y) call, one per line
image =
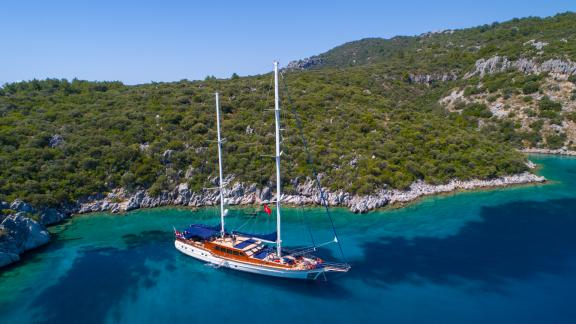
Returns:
point(308, 227)
point(309, 161)
point(300, 213)
point(250, 219)
point(287, 150)
point(266, 93)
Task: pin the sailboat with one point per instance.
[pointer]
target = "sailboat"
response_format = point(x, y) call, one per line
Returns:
point(253, 253)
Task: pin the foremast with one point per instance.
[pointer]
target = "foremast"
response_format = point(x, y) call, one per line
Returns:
point(220, 181)
point(278, 153)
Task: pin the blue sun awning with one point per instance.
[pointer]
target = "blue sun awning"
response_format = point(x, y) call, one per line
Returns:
point(202, 231)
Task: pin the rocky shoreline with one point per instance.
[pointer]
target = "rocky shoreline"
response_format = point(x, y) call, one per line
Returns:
point(306, 194)
point(548, 151)
point(22, 227)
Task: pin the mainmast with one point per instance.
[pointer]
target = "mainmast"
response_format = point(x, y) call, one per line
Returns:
point(278, 153)
point(220, 182)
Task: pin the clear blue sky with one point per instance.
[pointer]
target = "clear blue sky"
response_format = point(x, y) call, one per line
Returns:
point(142, 41)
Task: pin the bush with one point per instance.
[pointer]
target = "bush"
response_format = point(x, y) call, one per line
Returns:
point(530, 87)
point(550, 114)
point(472, 90)
point(546, 104)
point(530, 112)
point(537, 125)
point(556, 141)
point(477, 110)
point(571, 116)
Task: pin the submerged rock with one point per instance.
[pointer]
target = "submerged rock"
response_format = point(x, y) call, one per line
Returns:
point(51, 216)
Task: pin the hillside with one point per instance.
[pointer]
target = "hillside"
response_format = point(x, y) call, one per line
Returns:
point(456, 50)
point(514, 79)
point(378, 114)
point(65, 140)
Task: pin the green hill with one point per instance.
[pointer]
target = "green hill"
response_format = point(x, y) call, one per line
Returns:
point(375, 113)
point(459, 49)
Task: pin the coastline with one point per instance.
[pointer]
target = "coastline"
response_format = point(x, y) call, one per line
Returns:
point(118, 201)
point(21, 233)
point(548, 151)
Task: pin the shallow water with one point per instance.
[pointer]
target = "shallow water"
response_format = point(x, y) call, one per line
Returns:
point(504, 256)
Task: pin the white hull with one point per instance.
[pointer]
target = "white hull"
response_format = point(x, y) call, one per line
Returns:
point(206, 256)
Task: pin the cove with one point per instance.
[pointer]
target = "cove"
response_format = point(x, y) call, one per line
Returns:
point(503, 255)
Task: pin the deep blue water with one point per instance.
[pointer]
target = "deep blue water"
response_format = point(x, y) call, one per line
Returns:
point(498, 256)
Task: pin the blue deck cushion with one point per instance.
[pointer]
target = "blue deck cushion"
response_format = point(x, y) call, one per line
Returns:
point(244, 244)
point(262, 254)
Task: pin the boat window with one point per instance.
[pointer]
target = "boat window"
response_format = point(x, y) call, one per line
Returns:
point(235, 253)
point(217, 248)
point(228, 251)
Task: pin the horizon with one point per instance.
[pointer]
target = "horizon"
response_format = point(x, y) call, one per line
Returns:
point(140, 44)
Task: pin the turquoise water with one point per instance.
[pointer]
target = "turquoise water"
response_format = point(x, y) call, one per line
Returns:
point(499, 256)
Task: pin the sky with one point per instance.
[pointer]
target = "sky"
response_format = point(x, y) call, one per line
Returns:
point(143, 41)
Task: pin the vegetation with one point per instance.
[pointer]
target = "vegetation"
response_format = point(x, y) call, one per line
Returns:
point(369, 125)
point(459, 49)
point(116, 135)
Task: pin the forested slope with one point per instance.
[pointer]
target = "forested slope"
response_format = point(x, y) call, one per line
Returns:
point(376, 112)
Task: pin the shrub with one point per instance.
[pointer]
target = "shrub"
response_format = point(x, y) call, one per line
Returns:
point(530, 112)
point(469, 91)
point(550, 114)
point(477, 110)
point(546, 104)
point(571, 116)
point(537, 125)
point(556, 141)
point(530, 87)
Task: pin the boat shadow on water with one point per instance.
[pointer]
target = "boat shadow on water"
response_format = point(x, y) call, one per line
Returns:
point(513, 242)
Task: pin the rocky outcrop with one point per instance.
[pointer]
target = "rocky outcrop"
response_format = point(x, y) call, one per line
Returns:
point(536, 44)
point(51, 216)
point(20, 206)
point(56, 140)
point(498, 64)
point(432, 77)
point(305, 64)
point(18, 234)
point(166, 156)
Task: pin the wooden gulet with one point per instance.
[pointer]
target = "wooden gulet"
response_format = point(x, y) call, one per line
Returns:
point(251, 252)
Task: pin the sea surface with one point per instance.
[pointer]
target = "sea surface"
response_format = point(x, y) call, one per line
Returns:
point(496, 256)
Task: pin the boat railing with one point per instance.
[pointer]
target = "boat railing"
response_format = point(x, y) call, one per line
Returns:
point(336, 266)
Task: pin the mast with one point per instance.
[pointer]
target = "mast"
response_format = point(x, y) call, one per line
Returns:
point(278, 186)
point(220, 182)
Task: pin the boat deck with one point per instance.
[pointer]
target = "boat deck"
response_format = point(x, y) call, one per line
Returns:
point(254, 251)
point(248, 245)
